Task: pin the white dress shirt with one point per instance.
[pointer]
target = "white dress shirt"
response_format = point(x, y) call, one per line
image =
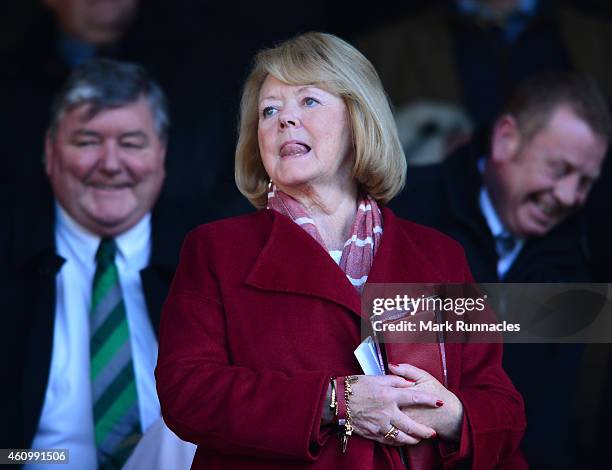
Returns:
point(506, 258)
point(67, 416)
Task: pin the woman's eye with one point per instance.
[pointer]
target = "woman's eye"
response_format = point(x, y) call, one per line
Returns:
point(310, 102)
point(268, 111)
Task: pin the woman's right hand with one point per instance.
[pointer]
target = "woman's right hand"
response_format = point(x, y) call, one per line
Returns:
point(376, 405)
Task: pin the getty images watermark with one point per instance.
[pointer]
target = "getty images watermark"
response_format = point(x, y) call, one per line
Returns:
point(485, 313)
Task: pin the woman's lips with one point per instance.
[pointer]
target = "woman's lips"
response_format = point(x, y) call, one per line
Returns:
point(294, 149)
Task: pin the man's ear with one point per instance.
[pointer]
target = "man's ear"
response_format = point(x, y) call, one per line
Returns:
point(506, 139)
point(48, 157)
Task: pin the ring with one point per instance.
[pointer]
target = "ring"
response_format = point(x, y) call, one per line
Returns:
point(392, 433)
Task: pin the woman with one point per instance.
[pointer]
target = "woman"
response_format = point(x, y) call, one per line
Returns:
point(256, 361)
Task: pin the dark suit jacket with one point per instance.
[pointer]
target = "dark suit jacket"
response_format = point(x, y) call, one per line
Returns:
point(27, 286)
point(259, 318)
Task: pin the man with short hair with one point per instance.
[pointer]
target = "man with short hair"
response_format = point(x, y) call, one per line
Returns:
point(90, 273)
point(513, 207)
point(510, 205)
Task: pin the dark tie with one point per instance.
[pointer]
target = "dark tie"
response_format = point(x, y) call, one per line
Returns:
point(115, 401)
point(504, 244)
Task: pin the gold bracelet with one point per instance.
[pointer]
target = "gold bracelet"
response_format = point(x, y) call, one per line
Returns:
point(334, 402)
point(348, 423)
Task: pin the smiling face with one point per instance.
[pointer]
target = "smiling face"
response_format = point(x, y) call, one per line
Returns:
point(304, 136)
point(538, 183)
point(106, 171)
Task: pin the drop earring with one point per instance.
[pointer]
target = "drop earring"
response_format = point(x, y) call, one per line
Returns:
point(270, 192)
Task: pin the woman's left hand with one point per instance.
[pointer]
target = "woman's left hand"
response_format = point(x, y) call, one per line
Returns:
point(447, 419)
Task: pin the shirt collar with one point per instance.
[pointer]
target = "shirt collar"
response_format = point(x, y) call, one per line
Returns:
point(132, 244)
point(490, 215)
point(135, 244)
point(82, 244)
point(488, 210)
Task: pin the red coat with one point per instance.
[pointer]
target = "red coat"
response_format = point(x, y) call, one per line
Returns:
point(258, 319)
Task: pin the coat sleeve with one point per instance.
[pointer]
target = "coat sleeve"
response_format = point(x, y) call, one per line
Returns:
point(208, 400)
point(493, 410)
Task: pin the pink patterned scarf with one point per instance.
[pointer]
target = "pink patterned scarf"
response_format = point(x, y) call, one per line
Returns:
point(359, 250)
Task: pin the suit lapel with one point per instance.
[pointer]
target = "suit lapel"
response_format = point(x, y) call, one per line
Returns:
point(157, 276)
point(292, 261)
point(467, 223)
point(35, 265)
point(39, 319)
point(463, 182)
point(155, 283)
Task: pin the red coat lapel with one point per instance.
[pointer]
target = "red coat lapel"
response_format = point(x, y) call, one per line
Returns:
point(292, 261)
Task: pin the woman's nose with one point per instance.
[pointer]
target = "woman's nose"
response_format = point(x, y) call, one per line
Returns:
point(288, 118)
point(287, 122)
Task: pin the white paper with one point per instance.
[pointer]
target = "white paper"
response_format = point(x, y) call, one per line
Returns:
point(161, 449)
point(368, 357)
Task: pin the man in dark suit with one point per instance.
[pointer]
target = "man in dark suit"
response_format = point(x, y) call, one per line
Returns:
point(514, 207)
point(87, 273)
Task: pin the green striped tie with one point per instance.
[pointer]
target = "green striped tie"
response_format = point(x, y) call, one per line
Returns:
point(115, 401)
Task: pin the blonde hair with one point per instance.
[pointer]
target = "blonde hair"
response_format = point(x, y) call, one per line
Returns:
point(332, 64)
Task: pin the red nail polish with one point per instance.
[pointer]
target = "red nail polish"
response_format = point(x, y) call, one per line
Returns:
point(434, 435)
point(439, 403)
point(408, 380)
point(392, 364)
